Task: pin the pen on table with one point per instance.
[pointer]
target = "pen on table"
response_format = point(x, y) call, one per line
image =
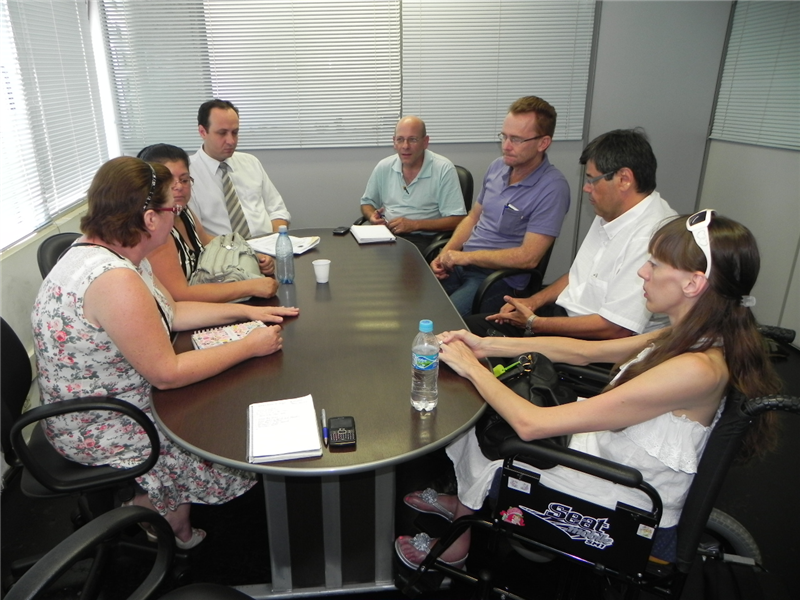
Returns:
point(324, 429)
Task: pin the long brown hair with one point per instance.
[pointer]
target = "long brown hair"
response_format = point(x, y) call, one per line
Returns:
point(718, 315)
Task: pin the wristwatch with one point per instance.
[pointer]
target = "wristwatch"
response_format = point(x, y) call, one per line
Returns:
point(529, 326)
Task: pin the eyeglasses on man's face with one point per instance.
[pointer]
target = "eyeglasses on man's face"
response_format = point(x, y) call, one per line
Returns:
point(515, 140)
point(593, 180)
point(412, 141)
point(698, 224)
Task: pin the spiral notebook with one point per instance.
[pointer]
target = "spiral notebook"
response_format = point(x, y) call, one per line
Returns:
point(208, 338)
point(371, 234)
point(283, 430)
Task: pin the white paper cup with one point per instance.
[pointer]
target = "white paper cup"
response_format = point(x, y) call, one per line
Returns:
point(322, 269)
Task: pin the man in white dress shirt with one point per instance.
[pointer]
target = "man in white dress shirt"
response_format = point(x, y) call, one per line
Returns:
point(601, 296)
point(262, 205)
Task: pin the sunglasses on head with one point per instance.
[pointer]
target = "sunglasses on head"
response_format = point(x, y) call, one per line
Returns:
point(698, 224)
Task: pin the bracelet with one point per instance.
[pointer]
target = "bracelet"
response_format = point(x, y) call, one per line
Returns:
point(529, 326)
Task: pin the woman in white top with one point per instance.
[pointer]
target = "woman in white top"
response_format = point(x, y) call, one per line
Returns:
point(657, 413)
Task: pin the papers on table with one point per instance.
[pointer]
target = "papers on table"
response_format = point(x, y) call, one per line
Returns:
point(370, 234)
point(282, 430)
point(266, 244)
point(208, 338)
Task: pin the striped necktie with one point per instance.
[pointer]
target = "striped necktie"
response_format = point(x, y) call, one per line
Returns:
point(238, 222)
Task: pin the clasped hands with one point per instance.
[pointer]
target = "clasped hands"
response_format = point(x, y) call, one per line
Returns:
point(446, 262)
point(460, 350)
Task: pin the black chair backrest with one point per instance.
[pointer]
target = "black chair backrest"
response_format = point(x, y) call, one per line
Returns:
point(467, 185)
point(51, 249)
point(15, 383)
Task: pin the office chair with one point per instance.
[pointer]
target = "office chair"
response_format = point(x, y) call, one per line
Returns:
point(51, 249)
point(100, 534)
point(536, 526)
point(467, 188)
point(46, 473)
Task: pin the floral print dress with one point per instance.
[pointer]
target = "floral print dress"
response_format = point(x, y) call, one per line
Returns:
point(75, 359)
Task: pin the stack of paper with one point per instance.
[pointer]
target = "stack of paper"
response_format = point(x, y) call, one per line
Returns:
point(282, 430)
point(370, 234)
point(208, 338)
point(266, 244)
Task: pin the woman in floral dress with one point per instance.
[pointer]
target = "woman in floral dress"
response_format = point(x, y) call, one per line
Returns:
point(101, 325)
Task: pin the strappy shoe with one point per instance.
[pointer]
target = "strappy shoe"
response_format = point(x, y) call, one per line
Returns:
point(423, 543)
point(427, 501)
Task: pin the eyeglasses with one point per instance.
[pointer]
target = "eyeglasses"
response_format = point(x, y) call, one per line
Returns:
point(175, 210)
point(592, 180)
point(698, 224)
point(401, 140)
point(516, 141)
point(182, 181)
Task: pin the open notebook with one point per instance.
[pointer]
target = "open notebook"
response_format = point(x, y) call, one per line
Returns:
point(266, 244)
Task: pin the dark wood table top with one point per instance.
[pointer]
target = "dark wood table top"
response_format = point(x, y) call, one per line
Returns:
point(350, 348)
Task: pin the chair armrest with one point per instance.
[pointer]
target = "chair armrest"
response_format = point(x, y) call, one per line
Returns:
point(434, 248)
point(78, 479)
point(756, 406)
point(360, 220)
point(499, 275)
point(779, 334)
point(584, 380)
point(95, 532)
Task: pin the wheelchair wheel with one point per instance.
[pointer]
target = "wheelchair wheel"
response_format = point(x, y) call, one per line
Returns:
point(724, 534)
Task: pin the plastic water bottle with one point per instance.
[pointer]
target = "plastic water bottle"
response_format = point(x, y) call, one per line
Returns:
point(425, 368)
point(284, 257)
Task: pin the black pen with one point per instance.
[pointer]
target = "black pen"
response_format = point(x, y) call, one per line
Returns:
point(324, 429)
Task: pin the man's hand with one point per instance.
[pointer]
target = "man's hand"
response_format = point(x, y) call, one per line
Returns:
point(265, 264)
point(438, 269)
point(450, 258)
point(401, 225)
point(376, 218)
point(517, 315)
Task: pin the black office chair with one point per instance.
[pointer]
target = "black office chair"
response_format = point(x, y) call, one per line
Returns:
point(100, 534)
point(626, 560)
point(51, 249)
point(467, 188)
point(44, 472)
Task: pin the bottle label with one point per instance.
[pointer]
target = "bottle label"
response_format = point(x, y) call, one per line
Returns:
point(424, 362)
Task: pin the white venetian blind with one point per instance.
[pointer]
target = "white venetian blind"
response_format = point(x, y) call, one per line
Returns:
point(303, 73)
point(759, 96)
point(52, 130)
point(466, 61)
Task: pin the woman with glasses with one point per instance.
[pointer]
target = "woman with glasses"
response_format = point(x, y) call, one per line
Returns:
point(174, 263)
point(657, 413)
point(101, 327)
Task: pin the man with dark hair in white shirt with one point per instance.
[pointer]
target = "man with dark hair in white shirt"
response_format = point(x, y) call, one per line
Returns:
point(232, 191)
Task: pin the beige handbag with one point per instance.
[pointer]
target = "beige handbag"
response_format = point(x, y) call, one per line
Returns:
point(226, 258)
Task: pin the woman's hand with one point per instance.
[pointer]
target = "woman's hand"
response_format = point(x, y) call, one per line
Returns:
point(263, 287)
point(473, 342)
point(266, 264)
point(265, 340)
point(272, 314)
point(460, 357)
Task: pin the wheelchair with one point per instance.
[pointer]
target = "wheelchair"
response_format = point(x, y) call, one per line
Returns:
point(612, 546)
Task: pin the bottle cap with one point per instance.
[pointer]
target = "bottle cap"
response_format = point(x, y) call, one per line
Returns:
point(426, 326)
point(282, 229)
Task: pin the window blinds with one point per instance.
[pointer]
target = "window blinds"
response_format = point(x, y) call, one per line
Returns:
point(465, 62)
point(759, 96)
point(52, 129)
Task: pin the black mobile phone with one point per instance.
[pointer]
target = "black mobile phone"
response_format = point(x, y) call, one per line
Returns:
point(341, 230)
point(341, 433)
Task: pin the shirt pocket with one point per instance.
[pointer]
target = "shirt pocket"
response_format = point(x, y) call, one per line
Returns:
point(512, 222)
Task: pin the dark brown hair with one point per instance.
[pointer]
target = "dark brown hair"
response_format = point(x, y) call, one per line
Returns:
point(117, 199)
point(718, 315)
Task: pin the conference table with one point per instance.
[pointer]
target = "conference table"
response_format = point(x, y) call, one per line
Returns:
point(331, 519)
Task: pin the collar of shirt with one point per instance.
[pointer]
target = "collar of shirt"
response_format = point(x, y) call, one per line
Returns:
point(612, 228)
point(531, 179)
point(424, 171)
point(211, 164)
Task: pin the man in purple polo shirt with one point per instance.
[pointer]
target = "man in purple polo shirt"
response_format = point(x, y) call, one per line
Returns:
point(517, 215)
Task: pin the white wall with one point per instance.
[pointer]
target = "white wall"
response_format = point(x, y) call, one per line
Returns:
point(760, 187)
